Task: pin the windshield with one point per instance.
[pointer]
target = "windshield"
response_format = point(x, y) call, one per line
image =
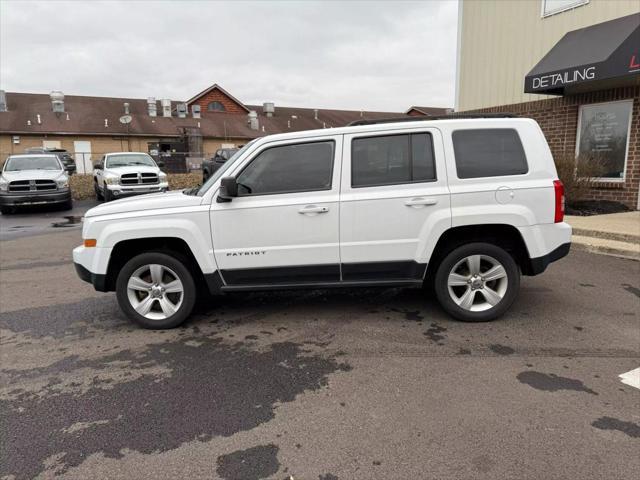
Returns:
point(223, 168)
point(15, 164)
point(116, 161)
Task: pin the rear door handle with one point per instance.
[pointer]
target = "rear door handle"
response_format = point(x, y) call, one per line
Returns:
point(313, 209)
point(420, 202)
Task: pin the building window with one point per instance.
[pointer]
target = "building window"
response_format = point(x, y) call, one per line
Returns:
point(551, 7)
point(603, 139)
point(216, 107)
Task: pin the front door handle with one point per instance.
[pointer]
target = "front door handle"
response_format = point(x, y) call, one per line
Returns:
point(420, 202)
point(313, 209)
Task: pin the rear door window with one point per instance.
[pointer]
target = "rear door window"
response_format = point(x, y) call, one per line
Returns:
point(392, 160)
point(488, 152)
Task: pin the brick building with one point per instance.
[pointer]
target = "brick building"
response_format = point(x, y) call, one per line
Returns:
point(572, 65)
point(181, 132)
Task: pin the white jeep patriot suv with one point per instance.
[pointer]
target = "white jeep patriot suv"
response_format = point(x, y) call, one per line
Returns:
point(465, 204)
point(122, 174)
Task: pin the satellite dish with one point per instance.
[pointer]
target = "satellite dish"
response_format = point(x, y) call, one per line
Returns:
point(126, 119)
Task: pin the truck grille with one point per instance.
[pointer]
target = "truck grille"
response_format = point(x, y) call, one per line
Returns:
point(32, 185)
point(139, 179)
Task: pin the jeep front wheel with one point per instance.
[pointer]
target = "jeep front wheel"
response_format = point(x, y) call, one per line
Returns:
point(156, 290)
point(477, 282)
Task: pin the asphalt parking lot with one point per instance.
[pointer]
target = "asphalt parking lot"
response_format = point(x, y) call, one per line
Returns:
point(322, 385)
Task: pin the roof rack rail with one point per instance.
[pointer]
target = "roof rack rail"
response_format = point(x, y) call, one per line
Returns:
point(450, 116)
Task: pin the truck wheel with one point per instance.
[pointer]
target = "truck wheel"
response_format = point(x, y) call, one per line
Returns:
point(107, 196)
point(477, 282)
point(156, 290)
point(68, 205)
point(6, 210)
point(99, 195)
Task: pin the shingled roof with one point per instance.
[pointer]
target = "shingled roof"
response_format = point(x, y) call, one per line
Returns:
point(31, 113)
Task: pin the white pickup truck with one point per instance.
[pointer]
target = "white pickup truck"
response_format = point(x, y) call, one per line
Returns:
point(122, 174)
point(465, 204)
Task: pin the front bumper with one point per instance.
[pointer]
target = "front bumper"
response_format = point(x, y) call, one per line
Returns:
point(91, 265)
point(128, 190)
point(98, 281)
point(34, 198)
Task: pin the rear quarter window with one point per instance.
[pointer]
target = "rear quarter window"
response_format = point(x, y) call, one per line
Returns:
point(488, 152)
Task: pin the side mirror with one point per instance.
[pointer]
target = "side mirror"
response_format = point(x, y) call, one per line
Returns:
point(228, 189)
point(97, 166)
point(70, 169)
point(160, 164)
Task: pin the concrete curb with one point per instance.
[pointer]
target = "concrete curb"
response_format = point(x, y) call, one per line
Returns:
point(607, 246)
point(620, 237)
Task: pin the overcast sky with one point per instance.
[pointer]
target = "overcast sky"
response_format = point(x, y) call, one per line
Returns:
point(353, 55)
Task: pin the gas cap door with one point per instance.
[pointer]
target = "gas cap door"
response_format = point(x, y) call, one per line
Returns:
point(504, 195)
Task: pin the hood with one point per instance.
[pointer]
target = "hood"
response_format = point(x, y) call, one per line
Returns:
point(32, 175)
point(133, 169)
point(152, 201)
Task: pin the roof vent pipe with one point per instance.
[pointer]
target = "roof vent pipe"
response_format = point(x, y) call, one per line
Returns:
point(268, 108)
point(3, 101)
point(126, 108)
point(106, 122)
point(57, 101)
point(38, 119)
point(253, 120)
point(152, 107)
point(315, 113)
point(166, 107)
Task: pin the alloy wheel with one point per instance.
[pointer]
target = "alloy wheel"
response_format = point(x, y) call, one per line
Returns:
point(155, 291)
point(477, 283)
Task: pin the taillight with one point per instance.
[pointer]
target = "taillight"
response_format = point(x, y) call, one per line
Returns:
point(558, 187)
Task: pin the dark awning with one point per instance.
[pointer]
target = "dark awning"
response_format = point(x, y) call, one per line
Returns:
point(608, 50)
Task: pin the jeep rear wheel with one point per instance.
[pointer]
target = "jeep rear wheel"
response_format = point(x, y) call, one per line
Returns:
point(477, 282)
point(156, 290)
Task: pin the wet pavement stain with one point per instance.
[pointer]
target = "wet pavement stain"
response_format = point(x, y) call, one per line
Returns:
point(433, 333)
point(609, 423)
point(251, 464)
point(552, 383)
point(411, 315)
point(328, 476)
point(71, 221)
point(589, 285)
point(579, 328)
point(501, 349)
point(155, 413)
point(631, 289)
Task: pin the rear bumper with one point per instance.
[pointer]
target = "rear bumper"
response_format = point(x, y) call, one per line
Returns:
point(539, 264)
point(14, 200)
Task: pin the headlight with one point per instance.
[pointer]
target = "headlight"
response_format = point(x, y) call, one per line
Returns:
point(63, 181)
point(4, 185)
point(112, 180)
point(163, 176)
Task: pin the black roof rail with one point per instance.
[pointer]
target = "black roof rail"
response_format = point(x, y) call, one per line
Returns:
point(450, 116)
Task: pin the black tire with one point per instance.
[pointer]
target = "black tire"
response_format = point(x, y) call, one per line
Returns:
point(512, 282)
point(107, 196)
point(6, 210)
point(183, 274)
point(99, 195)
point(68, 205)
